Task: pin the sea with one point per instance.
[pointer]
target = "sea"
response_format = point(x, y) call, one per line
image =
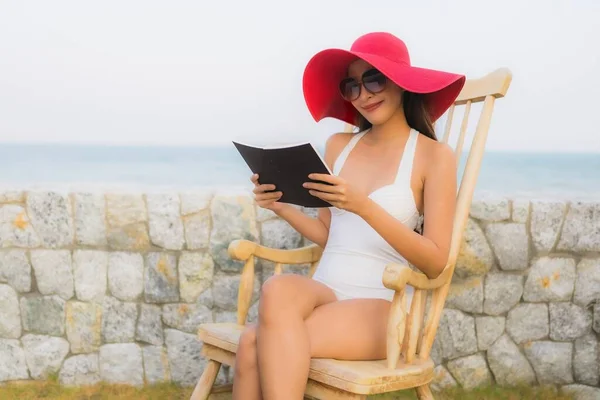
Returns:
point(569, 176)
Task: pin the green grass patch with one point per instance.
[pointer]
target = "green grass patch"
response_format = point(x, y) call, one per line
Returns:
point(51, 389)
point(484, 393)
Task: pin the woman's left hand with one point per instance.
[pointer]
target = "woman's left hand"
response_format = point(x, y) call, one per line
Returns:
point(339, 193)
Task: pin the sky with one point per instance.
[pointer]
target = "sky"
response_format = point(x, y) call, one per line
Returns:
point(187, 73)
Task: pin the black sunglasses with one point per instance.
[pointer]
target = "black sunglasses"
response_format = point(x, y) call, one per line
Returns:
point(373, 81)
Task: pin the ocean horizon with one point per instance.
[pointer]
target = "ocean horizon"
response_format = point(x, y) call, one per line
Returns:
point(100, 167)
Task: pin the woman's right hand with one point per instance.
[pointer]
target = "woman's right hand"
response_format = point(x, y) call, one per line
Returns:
point(266, 200)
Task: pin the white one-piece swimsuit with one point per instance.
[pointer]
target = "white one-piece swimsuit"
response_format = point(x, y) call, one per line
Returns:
point(355, 256)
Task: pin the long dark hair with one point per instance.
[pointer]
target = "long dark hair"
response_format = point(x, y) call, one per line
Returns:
point(415, 110)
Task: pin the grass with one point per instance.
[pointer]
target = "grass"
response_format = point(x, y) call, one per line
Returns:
point(485, 393)
point(51, 389)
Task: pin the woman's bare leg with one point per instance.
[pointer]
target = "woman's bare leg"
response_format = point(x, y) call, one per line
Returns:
point(283, 344)
point(327, 328)
point(349, 330)
point(246, 384)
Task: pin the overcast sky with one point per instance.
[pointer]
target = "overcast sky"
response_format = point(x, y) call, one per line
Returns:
point(206, 72)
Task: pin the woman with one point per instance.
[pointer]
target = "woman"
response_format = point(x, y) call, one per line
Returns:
point(384, 178)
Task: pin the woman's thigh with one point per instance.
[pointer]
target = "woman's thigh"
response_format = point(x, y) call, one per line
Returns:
point(292, 294)
point(349, 329)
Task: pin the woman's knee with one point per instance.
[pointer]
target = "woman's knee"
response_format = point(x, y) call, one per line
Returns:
point(276, 297)
point(245, 358)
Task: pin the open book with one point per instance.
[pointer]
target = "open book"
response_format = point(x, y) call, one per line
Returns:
point(287, 167)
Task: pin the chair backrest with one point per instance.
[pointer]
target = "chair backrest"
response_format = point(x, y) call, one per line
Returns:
point(418, 338)
point(483, 90)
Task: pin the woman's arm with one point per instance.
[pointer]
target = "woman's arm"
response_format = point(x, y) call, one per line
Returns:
point(315, 229)
point(428, 252)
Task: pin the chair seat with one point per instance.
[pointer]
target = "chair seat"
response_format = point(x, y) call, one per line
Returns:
point(362, 377)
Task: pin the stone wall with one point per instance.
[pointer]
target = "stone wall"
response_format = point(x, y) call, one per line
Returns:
point(524, 306)
point(112, 286)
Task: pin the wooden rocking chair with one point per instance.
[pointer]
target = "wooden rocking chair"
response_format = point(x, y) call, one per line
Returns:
point(410, 336)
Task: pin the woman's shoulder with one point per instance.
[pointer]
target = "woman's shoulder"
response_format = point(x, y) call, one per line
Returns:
point(436, 156)
point(434, 149)
point(338, 140)
point(334, 145)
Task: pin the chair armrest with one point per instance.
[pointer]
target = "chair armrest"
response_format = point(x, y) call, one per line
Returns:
point(396, 276)
point(403, 326)
point(242, 250)
point(247, 251)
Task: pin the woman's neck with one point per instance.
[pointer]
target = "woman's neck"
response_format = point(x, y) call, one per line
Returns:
point(393, 129)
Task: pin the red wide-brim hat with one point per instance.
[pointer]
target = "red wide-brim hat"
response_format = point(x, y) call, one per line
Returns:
point(390, 56)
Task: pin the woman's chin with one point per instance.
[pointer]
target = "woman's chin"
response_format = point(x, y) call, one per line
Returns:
point(376, 119)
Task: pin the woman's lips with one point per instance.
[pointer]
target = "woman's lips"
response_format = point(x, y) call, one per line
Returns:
point(373, 106)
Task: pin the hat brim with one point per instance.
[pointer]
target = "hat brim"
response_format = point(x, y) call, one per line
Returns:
point(327, 68)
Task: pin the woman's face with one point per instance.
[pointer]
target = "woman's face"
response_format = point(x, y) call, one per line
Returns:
point(376, 107)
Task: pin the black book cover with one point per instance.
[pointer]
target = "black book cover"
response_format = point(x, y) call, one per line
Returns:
point(286, 167)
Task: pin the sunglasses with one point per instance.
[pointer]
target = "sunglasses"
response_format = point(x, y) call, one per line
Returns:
point(373, 81)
